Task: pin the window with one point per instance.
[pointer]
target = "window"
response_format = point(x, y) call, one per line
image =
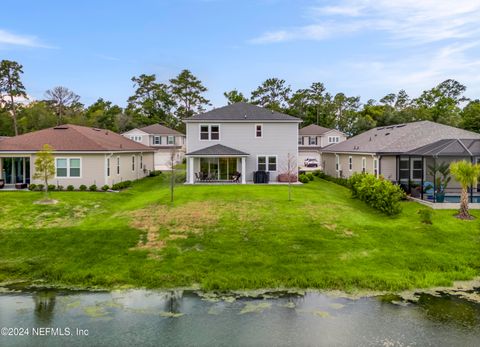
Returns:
point(312, 140)
point(417, 169)
point(209, 132)
point(262, 163)
point(157, 140)
point(258, 130)
point(133, 163)
point(61, 167)
point(375, 166)
point(272, 163)
point(214, 132)
point(67, 167)
point(118, 165)
point(300, 140)
point(141, 161)
point(364, 164)
point(350, 163)
point(267, 163)
point(333, 139)
point(337, 162)
point(171, 140)
point(108, 167)
point(136, 138)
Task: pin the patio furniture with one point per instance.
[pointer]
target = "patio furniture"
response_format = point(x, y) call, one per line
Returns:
point(236, 177)
point(198, 177)
point(2, 183)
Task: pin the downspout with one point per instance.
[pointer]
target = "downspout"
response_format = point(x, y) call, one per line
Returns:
point(471, 187)
point(423, 173)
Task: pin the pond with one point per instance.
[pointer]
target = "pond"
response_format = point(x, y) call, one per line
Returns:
point(148, 318)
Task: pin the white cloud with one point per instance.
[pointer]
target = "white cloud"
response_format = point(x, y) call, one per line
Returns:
point(415, 21)
point(10, 39)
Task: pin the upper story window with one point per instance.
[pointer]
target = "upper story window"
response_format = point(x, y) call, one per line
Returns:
point(333, 139)
point(258, 130)
point(157, 140)
point(136, 138)
point(312, 140)
point(67, 167)
point(171, 140)
point(209, 132)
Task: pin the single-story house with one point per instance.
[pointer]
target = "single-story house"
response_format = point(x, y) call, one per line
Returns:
point(164, 140)
point(83, 156)
point(403, 153)
point(312, 139)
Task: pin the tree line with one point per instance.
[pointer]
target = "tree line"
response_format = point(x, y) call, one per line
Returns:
point(183, 96)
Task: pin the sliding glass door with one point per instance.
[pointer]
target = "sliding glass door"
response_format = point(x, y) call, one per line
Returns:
point(218, 168)
point(16, 170)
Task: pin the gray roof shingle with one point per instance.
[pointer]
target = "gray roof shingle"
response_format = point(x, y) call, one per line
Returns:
point(242, 111)
point(218, 150)
point(400, 138)
point(158, 129)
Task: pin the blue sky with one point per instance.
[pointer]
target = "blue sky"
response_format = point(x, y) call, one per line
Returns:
point(365, 47)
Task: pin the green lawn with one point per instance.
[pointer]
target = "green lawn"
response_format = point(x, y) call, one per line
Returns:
point(231, 237)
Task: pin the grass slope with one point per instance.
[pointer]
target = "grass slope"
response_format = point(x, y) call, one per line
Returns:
point(231, 237)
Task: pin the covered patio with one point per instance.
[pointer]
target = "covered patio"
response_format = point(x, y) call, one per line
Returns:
point(216, 164)
point(420, 170)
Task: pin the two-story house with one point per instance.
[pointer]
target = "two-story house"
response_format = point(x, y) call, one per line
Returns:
point(312, 139)
point(240, 139)
point(164, 140)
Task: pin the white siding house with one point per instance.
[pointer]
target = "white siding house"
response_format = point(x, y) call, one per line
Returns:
point(240, 138)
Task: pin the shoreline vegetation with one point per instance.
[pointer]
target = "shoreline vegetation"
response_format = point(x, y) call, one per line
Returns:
point(231, 238)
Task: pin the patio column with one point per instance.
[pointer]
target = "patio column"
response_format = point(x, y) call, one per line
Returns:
point(190, 170)
point(244, 169)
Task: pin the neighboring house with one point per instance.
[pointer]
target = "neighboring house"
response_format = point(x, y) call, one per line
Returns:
point(240, 138)
point(164, 140)
point(402, 153)
point(313, 138)
point(82, 155)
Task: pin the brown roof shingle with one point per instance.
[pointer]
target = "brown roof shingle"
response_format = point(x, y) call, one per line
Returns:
point(313, 129)
point(70, 138)
point(158, 129)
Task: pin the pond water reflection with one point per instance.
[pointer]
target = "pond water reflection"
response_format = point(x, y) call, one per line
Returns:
point(153, 318)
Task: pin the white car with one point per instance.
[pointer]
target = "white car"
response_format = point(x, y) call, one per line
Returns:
point(311, 162)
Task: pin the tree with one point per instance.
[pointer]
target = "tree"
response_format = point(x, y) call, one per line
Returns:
point(102, 114)
point(471, 116)
point(273, 93)
point(467, 175)
point(35, 116)
point(11, 87)
point(441, 103)
point(172, 162)
point(234, 96)
point(45, 166)
point(291, 172)
point(152, 101)
point(62, 98)
point(187, 91)
point(346, 111)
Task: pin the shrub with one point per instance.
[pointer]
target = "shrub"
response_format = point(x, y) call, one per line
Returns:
point(93, 188)
point(318, 173)
point(122, 185)
point(379, 193)
point(52, 187)
point(303, 178)
point(32, 186)
point(425, 216)
point(83, 187)
point(70, 188)
point(105, 188)
point(310, 176)
point(155, 173)
point(338, 180)
point(60, 188)
point(40, 187)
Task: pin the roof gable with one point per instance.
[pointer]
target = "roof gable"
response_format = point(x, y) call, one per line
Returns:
point(70, 137)
point(314, 129)
point(158, 129)
point(244, 112)
point(218, 150)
